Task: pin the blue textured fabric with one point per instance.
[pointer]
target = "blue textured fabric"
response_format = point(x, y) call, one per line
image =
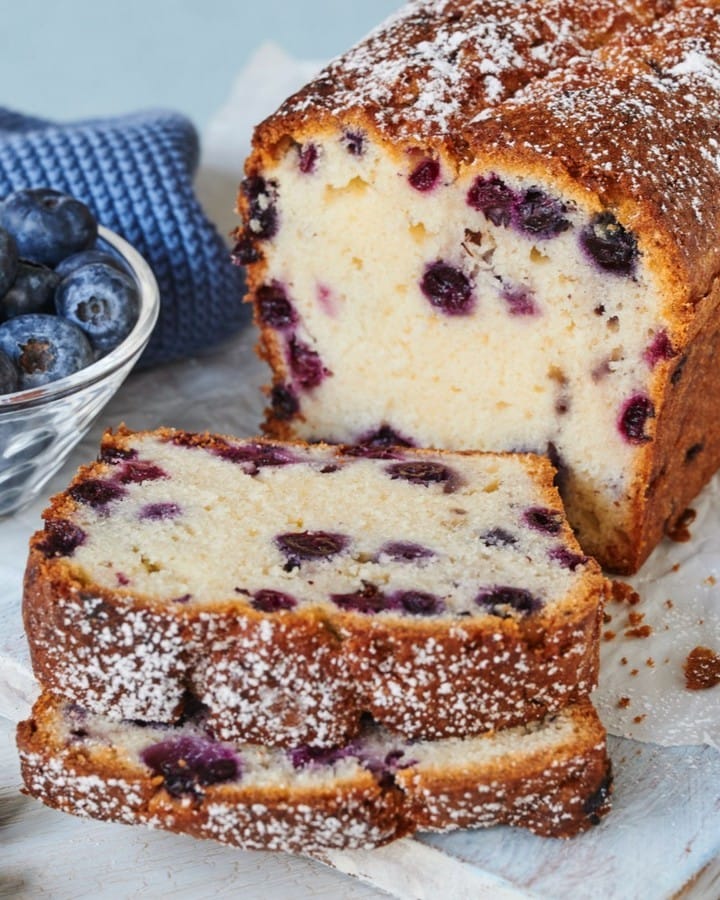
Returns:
point(135, 172)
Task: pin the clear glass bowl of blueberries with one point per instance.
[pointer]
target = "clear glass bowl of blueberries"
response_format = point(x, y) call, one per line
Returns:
point(77, 307)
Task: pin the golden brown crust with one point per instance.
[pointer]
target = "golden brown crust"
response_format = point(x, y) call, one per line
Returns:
point(558, 792)
point(305, 675)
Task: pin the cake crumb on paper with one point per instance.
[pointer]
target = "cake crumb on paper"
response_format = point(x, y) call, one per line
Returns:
point(702, 669)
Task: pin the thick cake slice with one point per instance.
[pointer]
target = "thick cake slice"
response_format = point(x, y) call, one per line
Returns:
point(292, 588)
point(551, 776)
point(462, 236)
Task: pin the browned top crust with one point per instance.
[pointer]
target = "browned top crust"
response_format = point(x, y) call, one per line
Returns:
point(618, 102)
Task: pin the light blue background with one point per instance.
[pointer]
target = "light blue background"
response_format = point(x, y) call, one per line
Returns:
point(73, 58)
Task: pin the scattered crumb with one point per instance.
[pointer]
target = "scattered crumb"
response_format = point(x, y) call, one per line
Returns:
point(702, 669)
point(711, 581)
point(669, 604)
point(623, 593)
point(624, 702)
point(634, 672)
point(609, 635)
point(607, 618)
point(638, 719)
point(623, 661)
point(650, 662)
point(644, 631)
point(635, 618)
point(679, 531)
point(676, 567)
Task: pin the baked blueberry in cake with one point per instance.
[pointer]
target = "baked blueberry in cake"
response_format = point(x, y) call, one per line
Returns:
point(551, 776)
point(292, 588)
point(493, 225)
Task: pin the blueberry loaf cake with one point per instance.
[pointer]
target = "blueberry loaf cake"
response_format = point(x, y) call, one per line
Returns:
point(292, 588)
point(551, 776)
point(493, 225)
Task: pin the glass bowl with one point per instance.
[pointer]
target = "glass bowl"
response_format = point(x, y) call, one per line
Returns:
point(40, 426)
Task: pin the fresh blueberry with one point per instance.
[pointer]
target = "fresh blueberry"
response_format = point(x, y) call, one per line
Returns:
point(424, 473)
point(539, 518)
point(608, 244)
point(417, 603)
point(306, 365)
point(448, 289)
point(274, 308)
point(96, 493)
point(272, 601)
point(494, 198)
point(405, 551)
point(262, 215)
point(9, 378)
point(284, 402)
point(498, 537)
point(102, 301)
point(191, 761)
point(425, 175)
point(85, 257)
point(369, 600)
point(44, 348)
point(503, 601)
point(8, 260)
point(300, 545)
point(47, 225)
point(539, 215)
point(31, 292)
point(633, 419)
point(61, 538)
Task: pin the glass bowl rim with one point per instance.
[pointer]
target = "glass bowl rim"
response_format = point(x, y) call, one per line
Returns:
point(117, 358)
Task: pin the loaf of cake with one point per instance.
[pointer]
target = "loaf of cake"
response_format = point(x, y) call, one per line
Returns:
point(292, 588)
point(551, 776)
point(493, 225)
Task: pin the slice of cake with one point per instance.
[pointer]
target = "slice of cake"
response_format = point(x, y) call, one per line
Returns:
point(551, 776)
point(493, 225)
point(290, 588)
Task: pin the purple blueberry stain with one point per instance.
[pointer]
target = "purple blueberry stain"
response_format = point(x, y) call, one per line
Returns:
point(307, 158)
point(191, 762)
point(115, 455)
point(425, 175)
point(284, 402)
point(305, 364)
point(405, 551)
point(609, 245)
point(354, 142)
point(159, 511)
point(504, 601)
point(567, 559)
point(539, 518)
point(306, 756)
point(244, 251)
point(261, 196)
point(136, 471)
point(269, 601)
point(448, 289)
point(660, 349)
point(634, 417)
point(122, 579)
point(498, 537)
point(61, 538)
point(369, 600)
point(520, 301)
point(255, 454)
point(273, 306)
point(424, 473)
point(382, 443)
point(299, 546)
point(97, 493)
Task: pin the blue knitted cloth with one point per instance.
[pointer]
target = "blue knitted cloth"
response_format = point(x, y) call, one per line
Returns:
point(135, 173)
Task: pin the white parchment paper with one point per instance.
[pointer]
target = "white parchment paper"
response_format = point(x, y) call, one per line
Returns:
point(642, 693)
